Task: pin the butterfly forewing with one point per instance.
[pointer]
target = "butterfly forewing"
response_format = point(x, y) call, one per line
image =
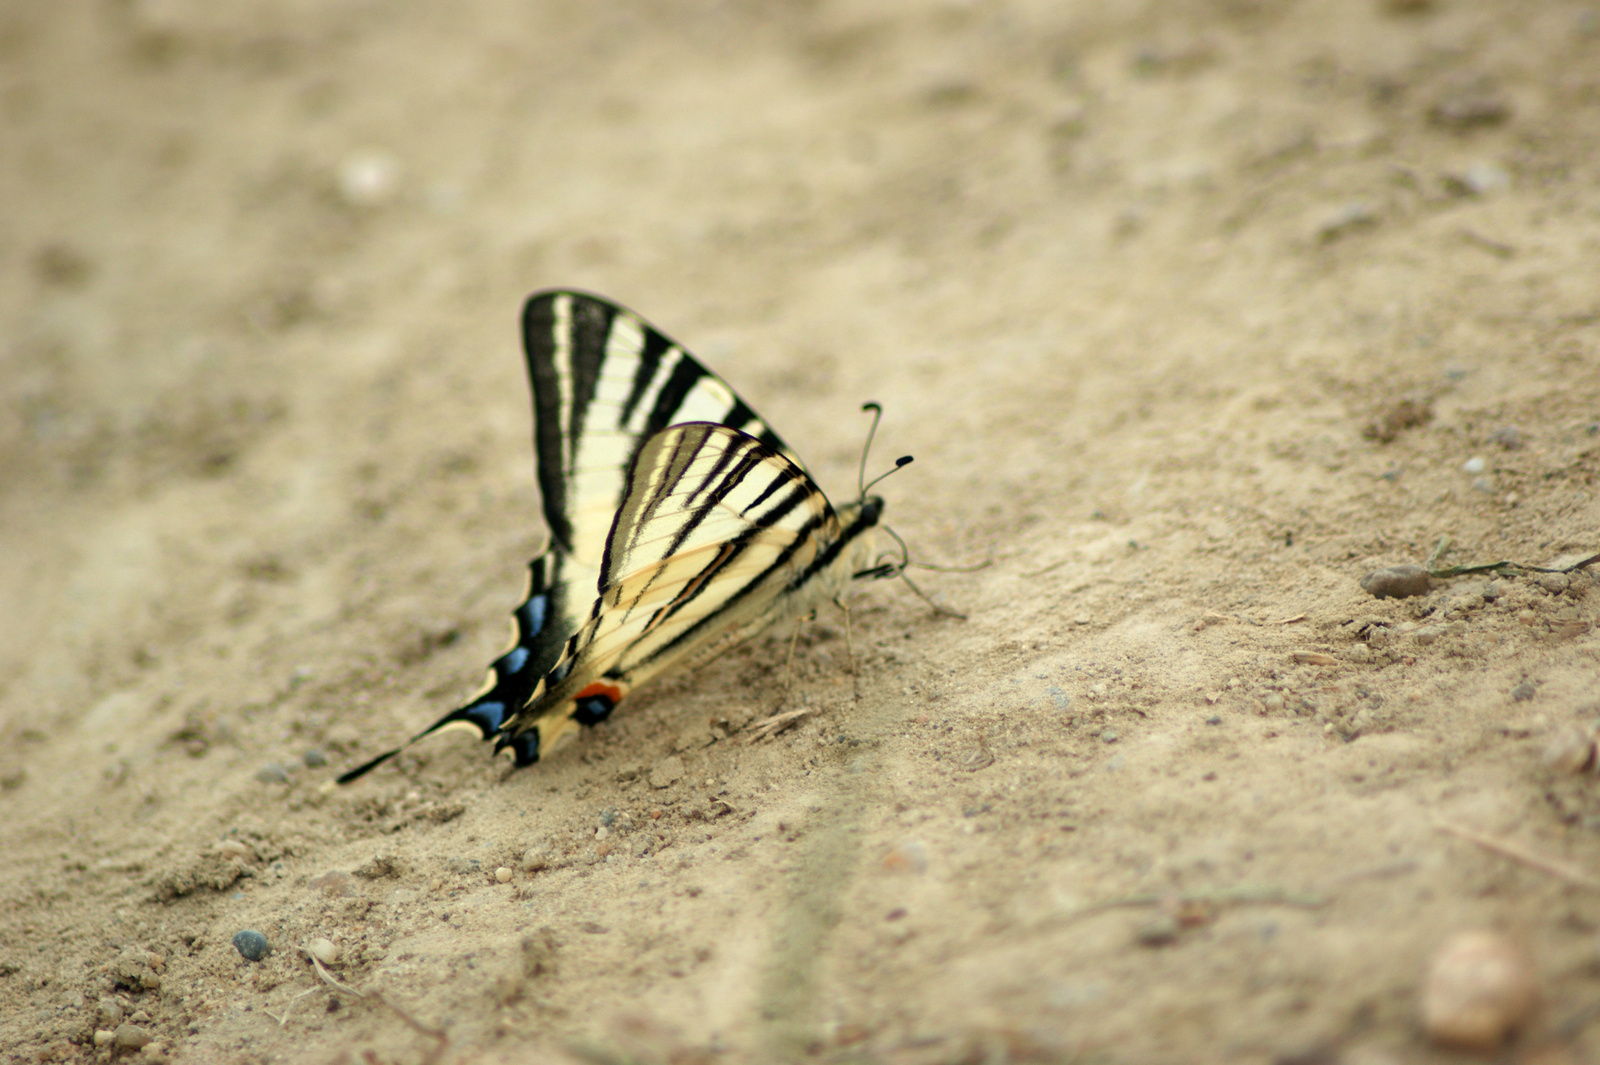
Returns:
point(603, 383)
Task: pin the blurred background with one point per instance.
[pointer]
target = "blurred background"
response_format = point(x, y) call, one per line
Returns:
point(1121, 275)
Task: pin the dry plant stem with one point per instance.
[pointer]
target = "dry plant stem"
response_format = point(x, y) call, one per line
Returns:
point(1432, 565)
point(443, 1040)
point(1236, 896)
point(1517, 853)
point(771, 726)
point(287, 1006)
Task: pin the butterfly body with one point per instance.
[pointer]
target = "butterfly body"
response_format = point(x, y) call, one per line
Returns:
point(680, 525)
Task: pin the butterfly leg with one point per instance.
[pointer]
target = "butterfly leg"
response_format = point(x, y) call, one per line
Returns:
point(788, 663)
point(849, 648)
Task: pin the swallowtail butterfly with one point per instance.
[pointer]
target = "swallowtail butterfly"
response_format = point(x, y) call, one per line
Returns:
point(680, 525)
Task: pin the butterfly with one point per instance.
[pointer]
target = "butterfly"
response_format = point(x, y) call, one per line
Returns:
point(679, 525)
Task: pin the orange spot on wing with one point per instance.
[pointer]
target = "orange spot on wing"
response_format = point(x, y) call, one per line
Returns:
point(610, 691)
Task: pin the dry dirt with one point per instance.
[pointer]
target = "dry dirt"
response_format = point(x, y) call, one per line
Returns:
point(1145, 288)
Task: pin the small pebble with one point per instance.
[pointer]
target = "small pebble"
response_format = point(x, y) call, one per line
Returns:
point(335, 884)
point(1479, 179)
point(235, 848)
point(1213, 720)
point(131, 1036)
point(1396, 582)
point(324, 950)
point(1314, 658)
point(908, 857)
point(104, 1038)
point(1524, 691)
point(1273, 703)
point(1346, 219)
point(1483, 484)
point(368, 178)
point(251, 944)
point(1554, 583)
point(608, 816)
point(1159, 930)
point(503, 874)
point(602, 832)
point(1571, 749)
point(1480, 990)
point(314, 759)
point(533, 859)
point(1467, 110)
point(272, 773)
point(1410, 410)
point(1473, 465)
point(1427, 634)
point(1509, 437)
point(1108, 736)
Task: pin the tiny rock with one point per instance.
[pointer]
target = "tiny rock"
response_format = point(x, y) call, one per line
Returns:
point(272, 773)
point(1480, 990)
point(1571, 749)
point(503, 874)
point(131, 1036)
point(1554, 583)
point(324, 950)
point(1469, 110)
point(368, 178)
point(252, 945)
point(1524, 691)
point(909, 857)
point(1405, 413)
point(1396, 582)
point(533, 859)
point(335, 884)
point(1314, 658)
point(104, 1038)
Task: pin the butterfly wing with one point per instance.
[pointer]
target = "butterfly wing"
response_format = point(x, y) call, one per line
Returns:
point(604, 381)
point(715, 535)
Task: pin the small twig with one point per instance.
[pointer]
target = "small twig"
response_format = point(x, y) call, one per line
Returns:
point(287, 1006)
point(443, 1040)
point(1246, 895)
point(1517, 853)
point(1378, 872)
point(1496, 248)
point(771, 726)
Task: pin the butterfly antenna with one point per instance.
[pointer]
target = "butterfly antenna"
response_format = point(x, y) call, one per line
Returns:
point(877, 416)
point(861, 478)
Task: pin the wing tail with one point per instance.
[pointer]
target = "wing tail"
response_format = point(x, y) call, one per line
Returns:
point(536, 643)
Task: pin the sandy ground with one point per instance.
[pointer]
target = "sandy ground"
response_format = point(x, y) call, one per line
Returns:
point(1145, 289)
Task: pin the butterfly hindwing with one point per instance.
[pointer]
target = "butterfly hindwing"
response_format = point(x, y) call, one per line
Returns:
point(715, 539)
